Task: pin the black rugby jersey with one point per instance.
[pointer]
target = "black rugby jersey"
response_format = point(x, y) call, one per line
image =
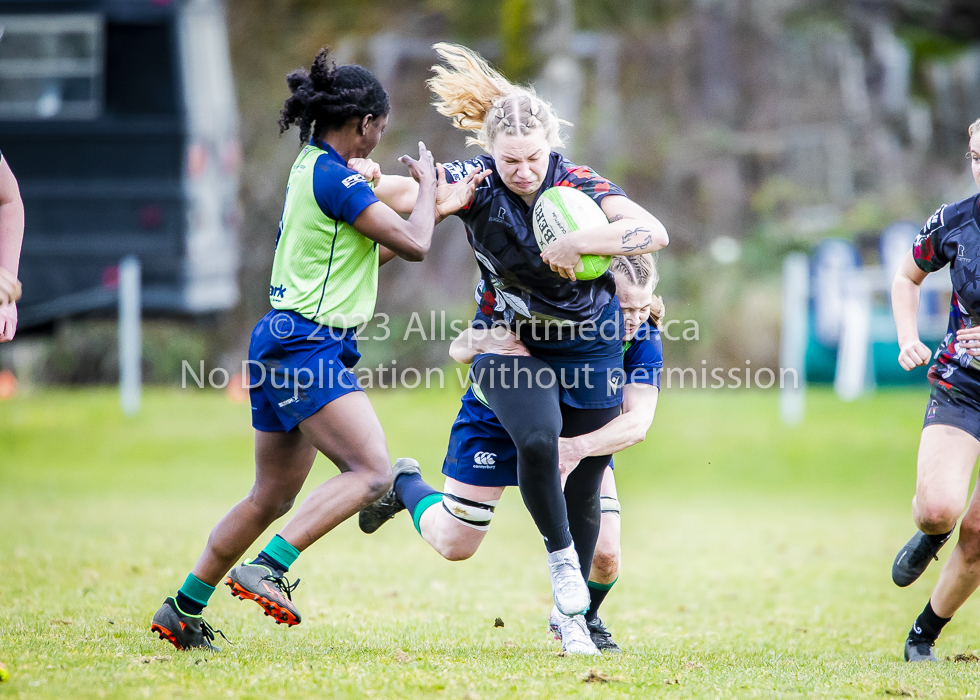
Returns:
point(498, 228)
point(952, 235)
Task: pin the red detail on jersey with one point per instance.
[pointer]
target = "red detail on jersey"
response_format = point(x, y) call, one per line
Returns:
point(601, 187)
point(925, 251)
point(488, 303)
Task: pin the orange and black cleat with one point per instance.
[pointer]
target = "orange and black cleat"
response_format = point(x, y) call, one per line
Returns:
point(268, 588)
point(182, 630)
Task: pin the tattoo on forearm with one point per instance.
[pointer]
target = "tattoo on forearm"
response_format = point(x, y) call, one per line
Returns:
point(616, 217)
point(630, 234)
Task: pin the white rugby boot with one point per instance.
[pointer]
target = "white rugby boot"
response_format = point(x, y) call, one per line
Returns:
point(569, 588)
point(573, 633)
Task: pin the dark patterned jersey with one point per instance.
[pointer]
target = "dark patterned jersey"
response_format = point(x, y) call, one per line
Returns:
point(515, 278)
point(952, 236)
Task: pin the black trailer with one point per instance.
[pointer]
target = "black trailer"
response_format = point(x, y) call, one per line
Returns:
point(118, 118)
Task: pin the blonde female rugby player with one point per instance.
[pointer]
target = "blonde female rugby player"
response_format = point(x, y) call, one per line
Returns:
point(950, 440)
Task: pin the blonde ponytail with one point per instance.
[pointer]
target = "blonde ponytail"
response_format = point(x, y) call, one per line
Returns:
point(480, 100)
point(657, 311)
point(467, 89)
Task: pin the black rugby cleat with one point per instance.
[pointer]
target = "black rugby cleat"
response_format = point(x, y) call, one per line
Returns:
point(182, 630)
point(915, 556)
point(388, 506)
point(601, 637)
point(919, 651)
point(268, 588)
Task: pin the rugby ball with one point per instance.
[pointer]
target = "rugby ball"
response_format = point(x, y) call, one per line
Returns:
point(561, 210)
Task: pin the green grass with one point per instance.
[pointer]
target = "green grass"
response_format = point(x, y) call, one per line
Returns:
point(756, 562)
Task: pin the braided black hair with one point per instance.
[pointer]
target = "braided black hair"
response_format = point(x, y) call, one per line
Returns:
point(327, 96)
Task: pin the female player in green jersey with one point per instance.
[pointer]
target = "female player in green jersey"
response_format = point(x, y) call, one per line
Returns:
point(333, 235)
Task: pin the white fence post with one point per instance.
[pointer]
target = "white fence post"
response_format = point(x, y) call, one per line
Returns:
point(130, 335)
point(854, 348)
point(794, 337)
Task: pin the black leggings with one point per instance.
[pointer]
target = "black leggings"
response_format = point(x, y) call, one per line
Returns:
point(525, 399)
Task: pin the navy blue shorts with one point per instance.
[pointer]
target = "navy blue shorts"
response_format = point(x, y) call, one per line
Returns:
point(953, 404)
point(296, 367)
point(588, 363)
point(481, 452)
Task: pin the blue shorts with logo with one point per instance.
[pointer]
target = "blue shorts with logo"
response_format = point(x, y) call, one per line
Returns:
point(296, 367)
point(481, 452)
point(588, 363)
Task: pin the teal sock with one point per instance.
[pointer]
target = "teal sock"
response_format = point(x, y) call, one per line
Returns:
point(281, 552)
point(423, 506)
point(196, 591)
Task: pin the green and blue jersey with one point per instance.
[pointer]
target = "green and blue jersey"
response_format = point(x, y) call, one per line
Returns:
point(324, 269)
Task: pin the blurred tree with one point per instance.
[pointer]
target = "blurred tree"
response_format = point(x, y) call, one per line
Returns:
point(632, 14)
point(468, 20)
point(516, 37)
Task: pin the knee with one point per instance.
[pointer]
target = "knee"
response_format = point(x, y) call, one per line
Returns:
point(377, 484)
point(539, 447)
point(284, 508)
point(452, 544)
point(270, 507)
point(969, 539)
point(936, 517)
point(605, 561)
point(454, 551)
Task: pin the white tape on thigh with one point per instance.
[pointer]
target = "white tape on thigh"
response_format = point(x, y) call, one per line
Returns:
point(609, 504)
point(474, 514)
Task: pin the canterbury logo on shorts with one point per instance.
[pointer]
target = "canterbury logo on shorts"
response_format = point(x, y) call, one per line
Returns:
point(485, 460)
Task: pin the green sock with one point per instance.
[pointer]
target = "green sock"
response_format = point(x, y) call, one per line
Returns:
point(423, 506)
point(281, 551)
point(195, 589)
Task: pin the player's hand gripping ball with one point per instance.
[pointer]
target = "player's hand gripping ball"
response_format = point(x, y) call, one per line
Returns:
point(561, 210)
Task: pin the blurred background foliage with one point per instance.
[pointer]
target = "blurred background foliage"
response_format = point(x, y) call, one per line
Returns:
point(773, 123)
point(750, 127)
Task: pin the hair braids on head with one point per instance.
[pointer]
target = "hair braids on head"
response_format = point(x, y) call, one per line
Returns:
point(479, 99)
point(327, 96)
point(640, 270)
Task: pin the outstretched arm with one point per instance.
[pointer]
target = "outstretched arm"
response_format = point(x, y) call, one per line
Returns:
point(625, 430)
point(631, 230)
point(408, 239)
point(397, 191)
point(400, 193)
point(905, 306)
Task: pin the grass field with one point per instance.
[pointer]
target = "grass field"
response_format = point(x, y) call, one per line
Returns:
point(756, 562)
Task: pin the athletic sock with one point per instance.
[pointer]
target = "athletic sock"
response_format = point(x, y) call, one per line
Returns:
point(928, 625)
point(597, 594)
point(938, 540)
point(416, 495)
point(278, 555)
point(559, 538)
point(194, 595)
